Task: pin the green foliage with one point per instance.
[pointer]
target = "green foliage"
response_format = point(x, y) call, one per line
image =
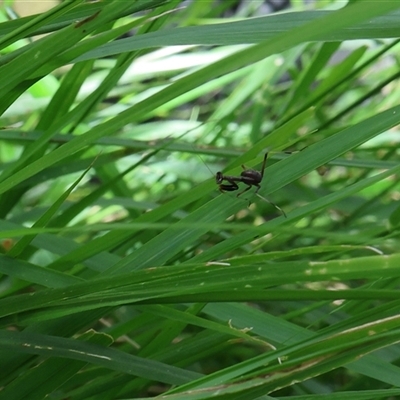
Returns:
point(125, 273)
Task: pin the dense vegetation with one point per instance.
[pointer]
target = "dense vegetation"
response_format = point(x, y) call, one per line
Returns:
point(126, 273)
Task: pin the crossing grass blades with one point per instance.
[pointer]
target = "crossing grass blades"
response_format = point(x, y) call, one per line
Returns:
point(249, 177)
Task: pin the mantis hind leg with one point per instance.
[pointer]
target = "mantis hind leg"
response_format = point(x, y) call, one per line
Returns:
point(273, 204)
